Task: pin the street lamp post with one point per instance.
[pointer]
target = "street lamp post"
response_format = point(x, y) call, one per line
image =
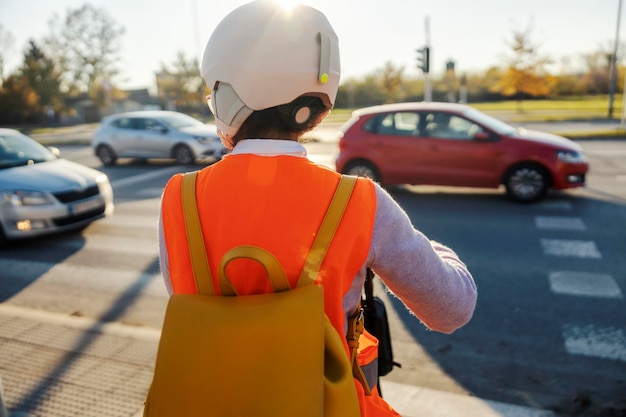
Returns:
point(613, 68)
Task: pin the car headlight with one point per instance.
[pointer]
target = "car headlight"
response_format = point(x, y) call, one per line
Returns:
point(27, 198)
point(571, 156)
point(104, 185)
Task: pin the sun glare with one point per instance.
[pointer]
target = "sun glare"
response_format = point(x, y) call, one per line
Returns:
point(287, 4)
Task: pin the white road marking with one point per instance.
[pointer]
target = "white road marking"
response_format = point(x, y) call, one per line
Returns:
point(559, 223)
point(606, 343)
point(570, 248)
point(134, 221)
point(326, 160)
point(584, 284)
point(123, 182)
point(114, 244)
point(411, 400)
point(81, 276)
point(562, 205)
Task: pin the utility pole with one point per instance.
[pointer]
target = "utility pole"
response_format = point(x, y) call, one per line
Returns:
point(613, 67)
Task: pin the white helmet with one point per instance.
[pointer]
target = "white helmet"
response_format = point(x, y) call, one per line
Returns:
point(263, 55)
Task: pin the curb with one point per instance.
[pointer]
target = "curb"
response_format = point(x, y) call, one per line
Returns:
point(409, 400)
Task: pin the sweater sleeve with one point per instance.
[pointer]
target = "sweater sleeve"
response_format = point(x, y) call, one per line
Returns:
point(427, 276)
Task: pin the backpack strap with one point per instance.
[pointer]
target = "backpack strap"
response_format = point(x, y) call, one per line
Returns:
point(274, 270)
point(197, 250)
point(327, 230)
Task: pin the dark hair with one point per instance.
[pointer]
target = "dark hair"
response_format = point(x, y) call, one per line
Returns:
point(269, 123)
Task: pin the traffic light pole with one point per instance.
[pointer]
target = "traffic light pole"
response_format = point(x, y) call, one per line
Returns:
point(613, 64)
point(428, 92)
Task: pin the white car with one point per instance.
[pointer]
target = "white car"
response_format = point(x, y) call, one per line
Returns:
point(41, 193)
point(156, 134)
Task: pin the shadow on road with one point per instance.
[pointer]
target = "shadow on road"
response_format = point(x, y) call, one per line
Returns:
point(117, 309)
point(513, 349)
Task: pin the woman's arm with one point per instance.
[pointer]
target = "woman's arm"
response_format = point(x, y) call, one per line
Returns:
point(427, 276)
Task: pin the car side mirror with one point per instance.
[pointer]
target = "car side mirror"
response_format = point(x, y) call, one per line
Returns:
point(482, 137)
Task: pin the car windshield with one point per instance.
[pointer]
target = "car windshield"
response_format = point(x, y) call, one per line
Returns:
point(490, 122)
point(17, 149)
point(178, 121)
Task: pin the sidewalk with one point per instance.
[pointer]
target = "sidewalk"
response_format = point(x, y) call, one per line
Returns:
point(57, 365)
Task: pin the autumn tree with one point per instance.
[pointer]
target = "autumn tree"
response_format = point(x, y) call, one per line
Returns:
point(43, 76)
point(525, 73)
point(86, 45)
point(181, 82)
point(360, 92)
point(19, 103)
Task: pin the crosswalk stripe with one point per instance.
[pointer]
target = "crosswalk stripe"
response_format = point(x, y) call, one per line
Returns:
point(560, 223)
point(588, 340)
point(123, 182)
point(584, 284)
point(114, 244)
point(410, 400)
point(129, 220)
point(326, 160)
point(570, 248)
point(78, 276)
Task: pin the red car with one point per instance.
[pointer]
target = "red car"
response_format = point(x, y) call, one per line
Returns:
point(456, 145)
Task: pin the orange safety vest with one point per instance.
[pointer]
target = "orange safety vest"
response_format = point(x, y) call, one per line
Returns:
point(276, 203)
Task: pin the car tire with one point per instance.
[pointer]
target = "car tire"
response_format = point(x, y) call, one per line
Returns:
point(183, 155)
point(106, 154)
point(362, 169)
point(527, 183)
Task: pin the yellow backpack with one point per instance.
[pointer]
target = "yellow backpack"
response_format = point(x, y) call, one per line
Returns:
point(274, 355)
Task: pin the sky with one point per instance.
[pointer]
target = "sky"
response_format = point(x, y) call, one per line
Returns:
point(475, 34)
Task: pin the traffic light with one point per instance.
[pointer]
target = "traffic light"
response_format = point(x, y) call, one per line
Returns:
point(423, 59)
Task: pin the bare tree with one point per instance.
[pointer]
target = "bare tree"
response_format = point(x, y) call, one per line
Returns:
point(6, 42)
point(86, 44)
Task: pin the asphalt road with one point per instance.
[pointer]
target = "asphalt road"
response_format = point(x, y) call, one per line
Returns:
point(549, 330)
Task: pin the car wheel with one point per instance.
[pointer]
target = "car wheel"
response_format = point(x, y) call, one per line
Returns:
point(527, 183)
point(183, 155)
point(362, 169)
point(106, 154)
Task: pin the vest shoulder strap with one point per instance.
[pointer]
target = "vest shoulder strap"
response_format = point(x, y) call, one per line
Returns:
point(197, 250)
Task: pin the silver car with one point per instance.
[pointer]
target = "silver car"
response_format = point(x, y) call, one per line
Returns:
point(41, 193)
point(156, 134)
